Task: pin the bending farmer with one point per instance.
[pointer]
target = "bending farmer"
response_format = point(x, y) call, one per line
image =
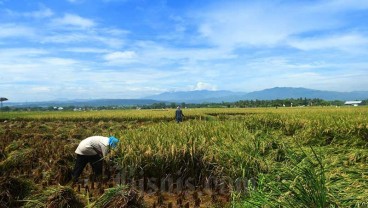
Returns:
point(92, 150)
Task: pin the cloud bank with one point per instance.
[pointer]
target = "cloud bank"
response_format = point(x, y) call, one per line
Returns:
point(132, 49)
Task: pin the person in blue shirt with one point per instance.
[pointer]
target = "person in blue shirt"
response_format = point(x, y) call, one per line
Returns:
point(179, 115)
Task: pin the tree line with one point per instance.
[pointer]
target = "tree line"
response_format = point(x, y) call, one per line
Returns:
point(165, 105)
point(253, 103)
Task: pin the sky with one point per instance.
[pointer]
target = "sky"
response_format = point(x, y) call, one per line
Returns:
point(92, 49)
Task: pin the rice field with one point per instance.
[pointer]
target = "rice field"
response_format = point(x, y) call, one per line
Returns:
point(228, 157)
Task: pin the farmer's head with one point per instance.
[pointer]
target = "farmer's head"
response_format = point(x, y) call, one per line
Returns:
point(113, 141)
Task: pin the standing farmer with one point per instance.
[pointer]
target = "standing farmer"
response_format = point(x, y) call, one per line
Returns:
point(92, 150)
point(179, 115)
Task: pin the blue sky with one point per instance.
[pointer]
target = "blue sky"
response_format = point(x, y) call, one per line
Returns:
point(90, 49)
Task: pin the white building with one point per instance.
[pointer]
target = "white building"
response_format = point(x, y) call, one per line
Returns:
point(353, 103)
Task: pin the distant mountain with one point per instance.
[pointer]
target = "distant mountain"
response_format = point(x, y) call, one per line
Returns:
point(290, 92)
point(81, 103)
point(206, 96)
point(201, 96)
point(198, 96)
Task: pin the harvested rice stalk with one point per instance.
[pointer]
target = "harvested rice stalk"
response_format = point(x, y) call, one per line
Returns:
point(15, 145)
point(16, 158)
point(12, 190)
point(62, 172)
point(120, 196)
point(55, 197)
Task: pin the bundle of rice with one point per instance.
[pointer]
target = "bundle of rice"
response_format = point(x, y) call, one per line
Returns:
point(55, 197)
point(16, 158)
point(63, 172)
point(120, 196)
point(12, 190)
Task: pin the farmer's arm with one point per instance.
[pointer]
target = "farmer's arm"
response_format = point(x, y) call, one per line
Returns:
point(104, 149)
point(97, 149)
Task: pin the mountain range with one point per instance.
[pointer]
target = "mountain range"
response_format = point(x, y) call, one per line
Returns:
point(267, 94)
point(207, 96)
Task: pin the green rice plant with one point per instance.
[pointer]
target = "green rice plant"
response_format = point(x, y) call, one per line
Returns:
point(250, 143)
point(304, 185)
point(346, 168)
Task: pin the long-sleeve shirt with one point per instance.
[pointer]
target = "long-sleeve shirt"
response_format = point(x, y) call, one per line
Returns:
point(179, 114)
point(93, 145)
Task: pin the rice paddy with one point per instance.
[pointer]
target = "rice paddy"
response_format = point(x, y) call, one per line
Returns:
point(251, 157)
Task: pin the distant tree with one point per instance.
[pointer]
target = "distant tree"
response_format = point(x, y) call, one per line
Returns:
point(173, 105)
point(6, 108)
point(2, 99)
point(305, 101)
point(158, 105)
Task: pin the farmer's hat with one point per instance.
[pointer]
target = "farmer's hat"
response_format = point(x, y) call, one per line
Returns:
point(113, 141)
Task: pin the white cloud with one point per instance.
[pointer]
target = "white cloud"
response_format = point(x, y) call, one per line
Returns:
point(260, 24)
point(114, 31)
point(242, 45)
point(346, 42)
point(86, 50)
point(120, 57)
point(123, 1)
point(65, 38)
point(10, 53)
point(75, 37)
point(326, 81)
point(204, 86)
point(40, 89)
point(110, 41)
point(16, 31)
point(43, 12)
point(74, 20)
point(55, 61)
point(155, 54)
point(74, 1)
point(343, 5)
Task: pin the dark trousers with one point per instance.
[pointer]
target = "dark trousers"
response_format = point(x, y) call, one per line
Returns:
point(82, 160)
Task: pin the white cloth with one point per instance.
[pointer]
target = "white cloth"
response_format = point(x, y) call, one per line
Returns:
point(93, 145)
